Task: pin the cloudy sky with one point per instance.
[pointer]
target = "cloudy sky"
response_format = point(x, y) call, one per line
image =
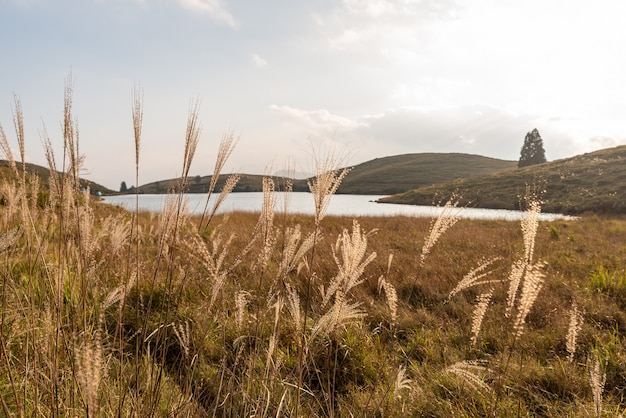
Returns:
point(371, 78)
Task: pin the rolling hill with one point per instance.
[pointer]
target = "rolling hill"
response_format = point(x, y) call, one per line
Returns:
point(380, 176)
point(396, 174)
point(200, 184)
point(44, 174)
point(593, 182)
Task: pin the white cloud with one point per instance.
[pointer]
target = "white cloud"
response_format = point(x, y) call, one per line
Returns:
point(214, 8)
point(320, 120)
point(259, 61)
point(313, 129)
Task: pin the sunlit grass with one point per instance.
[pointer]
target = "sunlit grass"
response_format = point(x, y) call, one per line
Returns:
point(111, 313)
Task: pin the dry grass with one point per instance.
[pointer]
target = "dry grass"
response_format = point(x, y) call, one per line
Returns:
point(107, 313)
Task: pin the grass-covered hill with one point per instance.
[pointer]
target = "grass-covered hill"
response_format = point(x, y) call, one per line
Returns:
point(386, 175)
point(399, 173)
point(44, 174)
point(593, 182)
point(200, 184)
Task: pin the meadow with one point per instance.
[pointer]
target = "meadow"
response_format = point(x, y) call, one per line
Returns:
point(106, 312)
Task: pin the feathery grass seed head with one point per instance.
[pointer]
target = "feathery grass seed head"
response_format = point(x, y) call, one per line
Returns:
point(90, 369)
point(328, 177)
point(401, 383)
point(597, 379)
point(241, 302)
point(467, 370)
point(482, 304)
point(575, 325)
point(472, 278)
point(533, 282)
point(515, 278)
point(448, 216)
point(391, 296)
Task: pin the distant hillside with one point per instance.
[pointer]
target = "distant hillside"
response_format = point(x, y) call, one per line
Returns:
point(593, 182)
point(44, 174)
point(401, 173)
point(380, 176)
point(200, 184)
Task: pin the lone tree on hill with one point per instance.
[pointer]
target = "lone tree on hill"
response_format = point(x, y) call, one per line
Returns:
point(532, 151)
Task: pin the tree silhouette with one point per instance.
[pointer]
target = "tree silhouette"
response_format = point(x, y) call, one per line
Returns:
point(532, 151)
point(123, 188)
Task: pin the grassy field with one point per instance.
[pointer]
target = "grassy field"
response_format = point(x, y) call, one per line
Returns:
point(112, 313)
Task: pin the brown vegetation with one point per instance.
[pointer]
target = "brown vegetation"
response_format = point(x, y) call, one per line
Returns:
point(111, 313)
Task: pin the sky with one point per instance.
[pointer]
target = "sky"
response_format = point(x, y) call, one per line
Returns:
point(292, 79)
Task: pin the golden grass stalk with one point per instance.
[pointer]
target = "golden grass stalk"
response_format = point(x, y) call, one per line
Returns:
point(341, 313)
point(90, 369)
point(266, 222)
point(241, 302)
point(515, 278)
point(6, 150)
point(212, 256)
point(117, 229)
point(293, 306)
point(530, 223)
point(328, 177)
point(226, 148)
point(472, 278)
point(137, 111)
point(191, 142)
point(287, 184)
point(18, 122)
point(290, 247)
point(88, 240)
point(229, 186)
point(401, 383)
point(351, 261)
point(322, 187)
point(392, 298)
point(597, 379)
point(448, 216)
point(71, 137)
point(271, 365)
point(524, 268)
point(55, 184)
point(117, 295)
point(533, 282)
point(467, 370)
point(575, 325)
point(293, 252)
point(482, 304)
point(183, 335)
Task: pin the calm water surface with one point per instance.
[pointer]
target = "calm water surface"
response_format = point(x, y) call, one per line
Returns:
point(302, 203)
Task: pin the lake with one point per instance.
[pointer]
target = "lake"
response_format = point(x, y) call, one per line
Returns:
point(302, 203)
